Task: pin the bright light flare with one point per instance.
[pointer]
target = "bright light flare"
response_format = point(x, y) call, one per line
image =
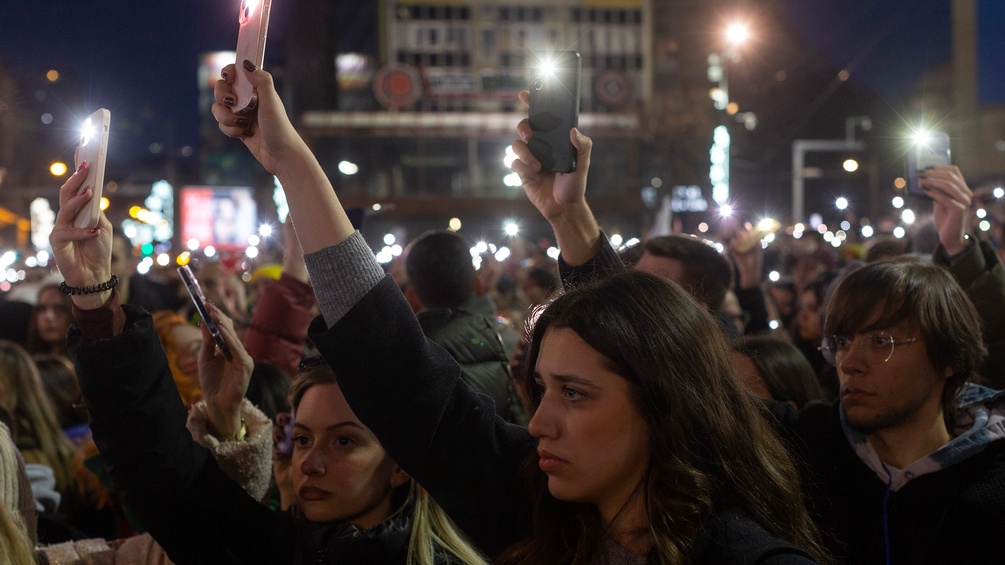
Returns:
point(57, 169)
point(907, 216)
point(867, 231)
point(547, 67)
point(898, 202)
point(999, 192)
point(841, 203)
point(348, 168)
point(511, 228)
point(725, 211)
point(850, 165)
point(265, 230)
point(922, 137)
point(737, 33)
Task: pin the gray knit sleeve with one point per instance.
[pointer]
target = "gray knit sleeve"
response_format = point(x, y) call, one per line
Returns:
point(342, 274)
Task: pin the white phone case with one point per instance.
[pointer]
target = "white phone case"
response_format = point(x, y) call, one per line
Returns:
point(92, 148)
point(254, 20)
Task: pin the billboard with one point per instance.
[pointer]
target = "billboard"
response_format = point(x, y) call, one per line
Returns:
point(224, 217)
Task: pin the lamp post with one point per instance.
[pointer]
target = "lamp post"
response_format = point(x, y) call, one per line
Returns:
point(736, 35)
point(801, 147)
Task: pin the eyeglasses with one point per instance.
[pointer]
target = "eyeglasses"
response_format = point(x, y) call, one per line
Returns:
point(878, 347)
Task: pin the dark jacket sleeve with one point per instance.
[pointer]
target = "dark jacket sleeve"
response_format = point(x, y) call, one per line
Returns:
point(752, 302)
point(278, 329)
point(982, 276)
point(168, 482)
point(605, 262)
point(409, 392)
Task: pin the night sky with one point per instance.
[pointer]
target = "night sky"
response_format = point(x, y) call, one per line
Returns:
point(140, 57)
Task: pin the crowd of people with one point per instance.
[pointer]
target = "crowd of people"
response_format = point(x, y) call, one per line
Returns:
point(667, 403)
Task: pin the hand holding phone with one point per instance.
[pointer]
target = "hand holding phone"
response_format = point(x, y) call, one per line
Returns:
point(254, 21)
point(199, 299)
point(554, 110)
point(92, 148)
point(930, 150)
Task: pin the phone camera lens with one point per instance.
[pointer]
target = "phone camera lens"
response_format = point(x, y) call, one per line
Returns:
point(538, 84)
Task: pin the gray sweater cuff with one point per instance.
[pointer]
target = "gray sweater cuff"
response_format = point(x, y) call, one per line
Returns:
point(342, 274)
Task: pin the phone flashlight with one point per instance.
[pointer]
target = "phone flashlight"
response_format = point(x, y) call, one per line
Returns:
point(547, 68)
point(86, 132)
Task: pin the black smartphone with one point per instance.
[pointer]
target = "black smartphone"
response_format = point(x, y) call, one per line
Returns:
point(554, 110)
point(199, 299)
point(928, 151)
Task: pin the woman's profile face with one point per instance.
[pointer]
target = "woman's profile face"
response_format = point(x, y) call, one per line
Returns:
point(340, 470)
point(593, 443)
point(52, 316)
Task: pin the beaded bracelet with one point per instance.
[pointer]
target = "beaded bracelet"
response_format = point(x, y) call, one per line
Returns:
point(94, 289)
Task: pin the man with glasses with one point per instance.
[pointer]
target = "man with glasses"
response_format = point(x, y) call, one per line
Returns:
point(909, 465)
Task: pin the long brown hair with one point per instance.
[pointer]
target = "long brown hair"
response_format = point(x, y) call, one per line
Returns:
point(712, 448)
point(22, 394)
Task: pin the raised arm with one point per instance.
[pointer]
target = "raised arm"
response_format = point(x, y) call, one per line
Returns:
point(171, 484)
point(973, 264)
point(271, 138)
point(406, 389)
point(561, 198)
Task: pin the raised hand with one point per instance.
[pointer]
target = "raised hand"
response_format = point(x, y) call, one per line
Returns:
point(83, 256)
point(560, 197)
point(951, 212)
point(552, 193)
point(224, 383)
point(266, 130)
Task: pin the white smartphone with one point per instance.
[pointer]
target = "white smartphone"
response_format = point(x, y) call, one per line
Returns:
point(92, 148)
point(254, 20)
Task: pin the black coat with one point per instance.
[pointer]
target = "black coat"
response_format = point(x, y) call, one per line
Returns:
point(174, 487)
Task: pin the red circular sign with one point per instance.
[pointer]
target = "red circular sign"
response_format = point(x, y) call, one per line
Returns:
point(397, 86)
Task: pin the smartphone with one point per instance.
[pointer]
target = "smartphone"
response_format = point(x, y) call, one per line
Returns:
point(92, 148)
point(554, 110)
point(928, 152)
point(282, 433)
point(199, 299)
point(254, 21)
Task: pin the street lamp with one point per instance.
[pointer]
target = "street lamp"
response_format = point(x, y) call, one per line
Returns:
point(736, 35)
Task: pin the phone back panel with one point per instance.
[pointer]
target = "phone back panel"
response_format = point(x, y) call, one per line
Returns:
point(554, 110)
point(254, 20)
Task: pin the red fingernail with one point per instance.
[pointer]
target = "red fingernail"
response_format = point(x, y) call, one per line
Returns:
point(83, 190)
point(249, 66)
point(82, 166)
point(95, 230)
point(229, 100)
point(225, 75)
